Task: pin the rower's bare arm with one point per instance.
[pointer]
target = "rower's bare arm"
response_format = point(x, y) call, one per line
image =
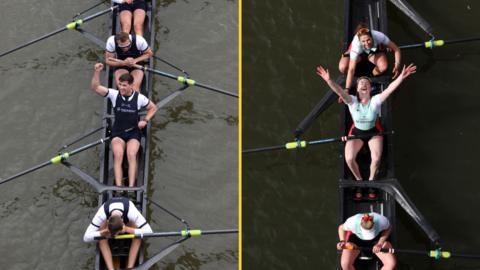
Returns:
point(384, 235)
point(398, 58)
point(406, 71)
point(114, 63)
point(350, 73)
point(95, 83)
point(151, 110)
point(146, 55)
point(322, 72)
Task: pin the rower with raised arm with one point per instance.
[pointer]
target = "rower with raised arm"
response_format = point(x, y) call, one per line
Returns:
point(368, 45)
point(368, 233)
point(123, 51)
point(364, 110)
point(117, 216)
point(126, 132)
point(129, 10)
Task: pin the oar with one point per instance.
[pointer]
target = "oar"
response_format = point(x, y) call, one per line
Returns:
point(439, 42)
point(181, 79)
point(304, 144)
point(413, 15)
point(184, 233)
point(435, 253)
point(69, 26)
point(59, 158)
point(80, 138)
point(88, 9)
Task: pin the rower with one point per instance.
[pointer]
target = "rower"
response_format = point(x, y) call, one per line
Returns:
point(365, 110)
point(126, 132)
point(117, 216)
point(132, 9)
point(123, 51)
point(368, 233)
point(368, 45)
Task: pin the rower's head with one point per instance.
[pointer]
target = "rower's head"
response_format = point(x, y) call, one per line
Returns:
point(123, 41)
point(367, 222)
point(125, 82)
point(364, 36)
point(364, 86)
point(115, 224)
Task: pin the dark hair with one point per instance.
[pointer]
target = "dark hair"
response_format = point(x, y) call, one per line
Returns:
point(115, 224)
point(126, 78)
point(122, 37)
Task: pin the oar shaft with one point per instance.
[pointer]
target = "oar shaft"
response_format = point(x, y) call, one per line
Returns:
point(303, 144)
point(25, 172)
point(71, 25)
point(33, 41)
point(187, 233)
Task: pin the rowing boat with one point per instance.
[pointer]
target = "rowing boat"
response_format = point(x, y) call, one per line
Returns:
point(120, 248)
point(373, 13)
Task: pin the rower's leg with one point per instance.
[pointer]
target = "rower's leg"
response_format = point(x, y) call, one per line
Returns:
point(376, 148)
point(348, 259)
point(132, 149)
point(343, 64)
point(352, 148)
point(137, 79)
point(138, 20)
point(106, 253)
point(380, 61)
point(134, 248)
point(388, 259)
point(126, 21)
point(118, 73)
point(118, 148)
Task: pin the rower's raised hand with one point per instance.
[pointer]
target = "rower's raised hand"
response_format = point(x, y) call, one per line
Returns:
point(98, 67)
point(408, 70)
point(322, 72)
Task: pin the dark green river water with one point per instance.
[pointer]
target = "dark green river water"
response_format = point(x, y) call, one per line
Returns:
point(290, 199)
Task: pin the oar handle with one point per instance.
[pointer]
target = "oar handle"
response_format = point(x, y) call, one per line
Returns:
point(184, 233)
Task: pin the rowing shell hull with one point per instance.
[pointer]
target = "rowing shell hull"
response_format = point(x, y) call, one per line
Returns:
point(373, 13)
point(120, 248)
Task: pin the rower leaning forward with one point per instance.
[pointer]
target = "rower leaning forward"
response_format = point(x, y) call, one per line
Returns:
point(123, 51)
point(117, 216)
point(367, 233)
point(368, 45)
point(126, 131)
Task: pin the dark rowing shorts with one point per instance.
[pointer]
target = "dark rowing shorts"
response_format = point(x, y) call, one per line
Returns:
point(367, 244)
point(358, 132)
point(137, 4)
point(127, 136)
